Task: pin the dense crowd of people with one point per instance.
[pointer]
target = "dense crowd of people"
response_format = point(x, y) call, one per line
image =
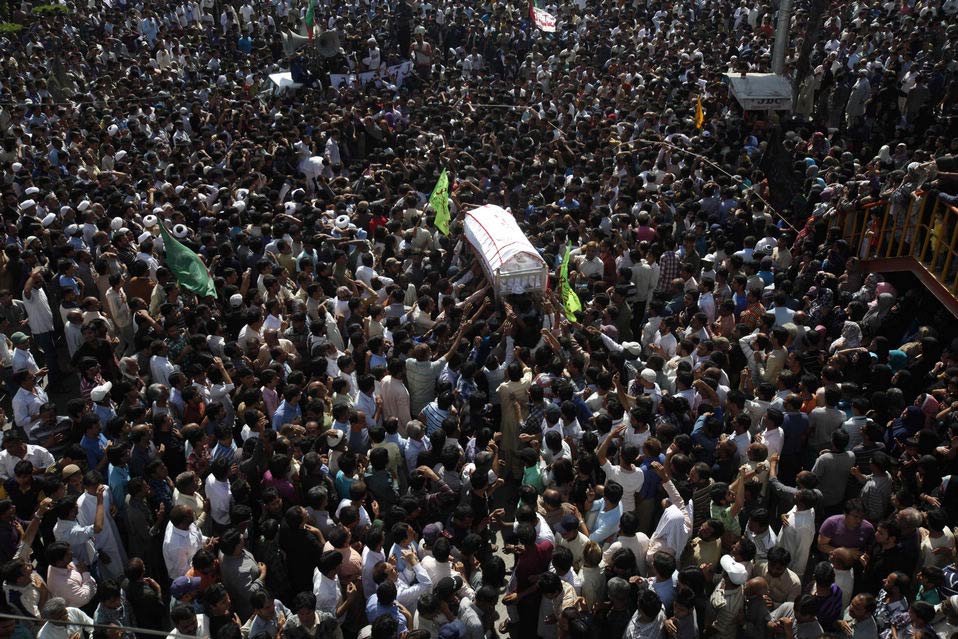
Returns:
point(742, 434)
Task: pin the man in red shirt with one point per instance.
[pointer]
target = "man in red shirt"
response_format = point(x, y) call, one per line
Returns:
point(532, 559)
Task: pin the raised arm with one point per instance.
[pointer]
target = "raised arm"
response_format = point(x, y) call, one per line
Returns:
point(24, 551)
point(475, 297)
point(627, 401)
point(603, 451)
point(707, 392)
point(738, 486)
point(98, 516)
point(35, 274)
point(456, 340)
point(674, 497)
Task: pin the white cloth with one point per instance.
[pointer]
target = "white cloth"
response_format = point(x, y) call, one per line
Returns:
point(39, 456)
point(74, 336)
point(408, 594)
point(179, 546)
point(675, 526)
point(108, 539)
point(630, 480)
point(773, 440)
point(160, 370)
point(370, 559)
point(327, 591)
point(80, 538)
point(845, 580)
point(75, 616)
point(119, 308)
point(25, 598)
point(6, 351)
point(219, 494)
point(929, 544)
point(637, 543)
point(797, 537)
point(437, 570)
point(26, 407)
point(39, 315)
point(364, 520)
point(202, 629)
point(638, 629)
point(23, 361)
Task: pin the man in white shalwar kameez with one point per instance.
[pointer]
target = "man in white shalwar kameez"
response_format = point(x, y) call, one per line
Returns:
point(107, 540)
point(798, 533)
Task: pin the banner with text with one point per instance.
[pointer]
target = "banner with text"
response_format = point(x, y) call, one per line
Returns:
point(544, 20)
point(394, 74)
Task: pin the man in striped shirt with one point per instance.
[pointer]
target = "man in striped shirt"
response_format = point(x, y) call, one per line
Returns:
point(436, 411)
point(669, 264)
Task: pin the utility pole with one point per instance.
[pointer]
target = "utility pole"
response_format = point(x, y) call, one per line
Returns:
point(781, 37)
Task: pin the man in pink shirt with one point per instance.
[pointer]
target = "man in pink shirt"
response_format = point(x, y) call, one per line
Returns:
point(65, 579)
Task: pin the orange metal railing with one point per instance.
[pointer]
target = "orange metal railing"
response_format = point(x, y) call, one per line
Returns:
point(926, 229)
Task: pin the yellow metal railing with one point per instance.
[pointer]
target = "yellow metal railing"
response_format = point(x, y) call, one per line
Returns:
point(927, 230)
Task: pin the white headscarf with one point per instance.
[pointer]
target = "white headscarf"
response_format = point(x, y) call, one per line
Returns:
point(851, 337)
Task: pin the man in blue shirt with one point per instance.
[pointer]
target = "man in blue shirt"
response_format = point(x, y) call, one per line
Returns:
point(608, 513)
point(289, 409)
point(705, 437)
point(384, 603)
point(568, 201)
point(94, 442)
point(119, 474)
point(268, 613)
point(105, 411)
point(647, 496)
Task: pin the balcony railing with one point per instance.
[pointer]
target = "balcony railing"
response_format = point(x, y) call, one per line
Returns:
point(925, 230)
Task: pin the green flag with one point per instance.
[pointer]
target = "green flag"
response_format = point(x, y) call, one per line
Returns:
point(439, 201)
point(310, 19)
point(569, 298)
point(187, 266)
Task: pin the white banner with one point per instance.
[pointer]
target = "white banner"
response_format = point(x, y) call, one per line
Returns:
point(392, 75)
point(544, 20)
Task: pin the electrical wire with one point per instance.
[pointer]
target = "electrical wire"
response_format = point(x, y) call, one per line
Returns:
point(658, 143)
point(101, 626)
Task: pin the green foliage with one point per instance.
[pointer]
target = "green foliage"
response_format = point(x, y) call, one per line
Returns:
point(10, 27)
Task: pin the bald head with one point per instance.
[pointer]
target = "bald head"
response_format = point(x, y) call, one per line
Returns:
point(842, 558)
point(551, 499)
point(756, 587)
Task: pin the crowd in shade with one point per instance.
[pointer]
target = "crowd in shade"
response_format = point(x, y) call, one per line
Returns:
point(253, 392)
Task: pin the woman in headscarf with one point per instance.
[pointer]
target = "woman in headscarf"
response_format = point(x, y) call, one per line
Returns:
point(808, 230)
point(900, 156)
point(884, 158)
point(867, 292)
point(929, 406)
point(897, 360)
point(907, 424)
point(851, 337)
point(874, 317)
